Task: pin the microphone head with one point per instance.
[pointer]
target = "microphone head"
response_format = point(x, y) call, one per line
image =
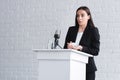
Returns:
point(57, 34)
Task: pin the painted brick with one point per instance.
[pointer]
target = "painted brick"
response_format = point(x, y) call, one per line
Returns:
point(29, 24)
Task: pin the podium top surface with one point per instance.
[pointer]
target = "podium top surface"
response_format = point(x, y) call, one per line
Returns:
point(62, 50)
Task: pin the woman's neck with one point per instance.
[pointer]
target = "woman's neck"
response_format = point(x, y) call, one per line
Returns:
point(81, 28)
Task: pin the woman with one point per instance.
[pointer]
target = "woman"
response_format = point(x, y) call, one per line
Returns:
point(84, 36)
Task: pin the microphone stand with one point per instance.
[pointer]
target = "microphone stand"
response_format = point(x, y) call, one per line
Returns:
point(56, 43)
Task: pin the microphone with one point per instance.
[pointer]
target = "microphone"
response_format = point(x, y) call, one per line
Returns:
point(57, 34)
point(56, 41)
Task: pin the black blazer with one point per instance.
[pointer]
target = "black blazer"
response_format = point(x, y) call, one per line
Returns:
point(90, 41)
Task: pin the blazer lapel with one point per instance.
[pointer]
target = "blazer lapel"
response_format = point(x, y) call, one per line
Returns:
point(75, 34)
point(83, 38)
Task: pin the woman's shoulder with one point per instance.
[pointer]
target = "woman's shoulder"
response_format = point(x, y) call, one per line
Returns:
point(94, 29)
point(72, 27)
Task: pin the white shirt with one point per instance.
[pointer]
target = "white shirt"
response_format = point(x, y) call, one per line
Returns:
point(78, 38)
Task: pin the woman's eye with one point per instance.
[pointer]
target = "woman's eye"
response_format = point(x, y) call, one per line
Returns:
point(82, 15)
point(77, 15)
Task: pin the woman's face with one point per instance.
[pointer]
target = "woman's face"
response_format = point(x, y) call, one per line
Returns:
point(82, 17)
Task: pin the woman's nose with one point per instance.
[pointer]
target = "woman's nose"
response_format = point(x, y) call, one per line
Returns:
point(80, 18)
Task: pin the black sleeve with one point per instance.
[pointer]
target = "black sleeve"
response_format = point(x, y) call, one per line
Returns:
point(94, 49)
point(67, 39)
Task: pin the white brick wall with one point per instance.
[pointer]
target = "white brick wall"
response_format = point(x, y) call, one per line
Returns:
point(28, 24)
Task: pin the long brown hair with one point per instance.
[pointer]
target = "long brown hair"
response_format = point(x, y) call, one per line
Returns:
point(87, 10)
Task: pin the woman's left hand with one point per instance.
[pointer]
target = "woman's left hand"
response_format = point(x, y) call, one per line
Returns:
point(78, 47)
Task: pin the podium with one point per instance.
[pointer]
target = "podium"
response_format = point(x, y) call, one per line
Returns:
point(61, 64)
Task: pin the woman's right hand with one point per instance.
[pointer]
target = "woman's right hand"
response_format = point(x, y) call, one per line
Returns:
point(70, 45)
